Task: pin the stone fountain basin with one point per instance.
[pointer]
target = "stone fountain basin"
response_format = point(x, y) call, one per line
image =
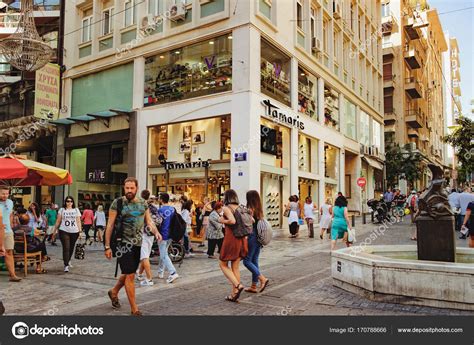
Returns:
point(393, 274)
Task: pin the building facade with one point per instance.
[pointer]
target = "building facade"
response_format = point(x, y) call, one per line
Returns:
point(20, 131)
point(452, 94)
point(413, 45)
point(284, 97)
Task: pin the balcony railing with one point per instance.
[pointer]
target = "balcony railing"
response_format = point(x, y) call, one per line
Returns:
point(413, 88)
point(413, 118)
point(412, 57)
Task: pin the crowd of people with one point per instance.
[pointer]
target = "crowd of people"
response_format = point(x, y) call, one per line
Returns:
point(147, 224)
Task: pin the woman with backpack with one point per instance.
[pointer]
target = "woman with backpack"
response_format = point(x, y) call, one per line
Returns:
point(233, 249)
point(254, 204)
point(69, 225)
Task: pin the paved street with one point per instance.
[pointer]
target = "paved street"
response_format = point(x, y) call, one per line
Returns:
point(299, 271)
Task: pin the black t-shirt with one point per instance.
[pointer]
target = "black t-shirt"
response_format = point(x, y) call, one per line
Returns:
point(470, 223)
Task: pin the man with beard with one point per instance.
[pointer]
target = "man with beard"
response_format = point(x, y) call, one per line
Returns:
point(134, 214)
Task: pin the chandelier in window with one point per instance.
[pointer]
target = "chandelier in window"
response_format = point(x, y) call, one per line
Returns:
point(24, 49)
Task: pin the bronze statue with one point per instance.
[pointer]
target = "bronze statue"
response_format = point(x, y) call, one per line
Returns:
point(434, 201)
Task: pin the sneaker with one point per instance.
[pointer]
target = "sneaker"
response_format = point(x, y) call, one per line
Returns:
point(70, 266)
point(146, 282)
point(139, 277)
point(172, 278)
point(66, 269)
point(161, 275)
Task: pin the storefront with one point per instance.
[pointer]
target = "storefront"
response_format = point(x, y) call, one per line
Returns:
point(331, 171)
point(98, 173)
point(190, 158)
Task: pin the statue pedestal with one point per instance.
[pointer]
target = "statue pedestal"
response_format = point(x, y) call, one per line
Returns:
point(436, 238)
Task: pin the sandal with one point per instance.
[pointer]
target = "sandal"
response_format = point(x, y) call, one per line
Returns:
point(264, 285)
point(136, 313)
point(115, 301)
point(231, 298)
point(239, 288)
point(41, 271)
point(251, 290)
point(15, 279)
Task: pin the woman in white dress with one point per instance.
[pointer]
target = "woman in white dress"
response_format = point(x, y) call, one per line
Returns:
point(309, 209)
point(326, 214)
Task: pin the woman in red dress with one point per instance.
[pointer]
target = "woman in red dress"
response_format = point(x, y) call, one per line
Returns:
point(233, 249)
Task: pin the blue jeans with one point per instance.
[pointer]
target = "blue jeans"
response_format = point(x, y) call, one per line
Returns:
point(251, 260)
point(165, 261)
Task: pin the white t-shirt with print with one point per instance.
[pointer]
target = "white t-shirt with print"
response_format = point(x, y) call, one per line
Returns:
point(69, 220)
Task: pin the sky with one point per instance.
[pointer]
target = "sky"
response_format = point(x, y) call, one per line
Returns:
point(460, 24)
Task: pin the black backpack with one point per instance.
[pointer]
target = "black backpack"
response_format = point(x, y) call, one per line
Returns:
point(117, 231)
point(177, 227)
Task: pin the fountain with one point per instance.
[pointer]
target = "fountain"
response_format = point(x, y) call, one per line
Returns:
point(433, 273)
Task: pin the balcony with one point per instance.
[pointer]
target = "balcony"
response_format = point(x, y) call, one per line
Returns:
point(413, 118)
point(413, 133)
point(412, 29)
point(389, 129)
point(389, 82)
point(412, 57)
point(389, 24)
point(413, 88)
point(388, 50)
point(389, 116)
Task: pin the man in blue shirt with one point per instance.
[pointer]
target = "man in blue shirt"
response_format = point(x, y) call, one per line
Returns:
point(464, 199)
point(6, 207)
point(165, 213)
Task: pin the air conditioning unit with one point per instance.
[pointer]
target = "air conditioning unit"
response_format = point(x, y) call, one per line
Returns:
point(147, 21)
point(316, 45)
point(177, 11)
point(337, 11)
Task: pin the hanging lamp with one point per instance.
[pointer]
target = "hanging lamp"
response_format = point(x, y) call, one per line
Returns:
point(24, 49)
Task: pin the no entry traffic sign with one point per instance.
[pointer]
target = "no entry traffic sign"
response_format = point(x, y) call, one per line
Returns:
point(361, 182)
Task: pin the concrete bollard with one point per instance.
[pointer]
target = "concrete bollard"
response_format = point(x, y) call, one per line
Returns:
point(353, 220)
point(363, 218)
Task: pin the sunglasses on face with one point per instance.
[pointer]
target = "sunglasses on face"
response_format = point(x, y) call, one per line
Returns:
point(68, 200)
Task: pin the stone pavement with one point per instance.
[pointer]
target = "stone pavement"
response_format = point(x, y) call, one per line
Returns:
point(299, 271)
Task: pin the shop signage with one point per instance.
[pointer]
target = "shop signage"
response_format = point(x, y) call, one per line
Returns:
point(47, 92)
point(361, 182)
point(20, 190)
point(188, 165)
point(279, 116)
point(98, 164)
point(97, 176)
point(240, 156)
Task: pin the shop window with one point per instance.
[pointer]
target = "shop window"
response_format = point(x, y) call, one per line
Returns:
point(307, 154)
point(190, 141)
point(331, 162)
point(275, 144)
point(307, 84)
point(350, 120)
point(197, 70)
point(275, 73)
point(299, 15)
point(98, 173)
point(331, 108)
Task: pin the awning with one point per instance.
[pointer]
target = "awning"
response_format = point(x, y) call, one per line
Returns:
point(62, 122)
point(83, 120)
point(373, 163)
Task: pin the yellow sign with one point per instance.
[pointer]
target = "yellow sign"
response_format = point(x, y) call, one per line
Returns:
point(47, 92)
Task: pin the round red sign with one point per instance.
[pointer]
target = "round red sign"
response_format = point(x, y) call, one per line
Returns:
point(361, 182)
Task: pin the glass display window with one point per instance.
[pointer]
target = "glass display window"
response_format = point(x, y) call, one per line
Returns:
point(274, 144)
point(364, 128)
point(307, 154)
point(331, 162)
point(307, 84)
point(199, 69)
point(331, 108)
point(350, 120)
point(275, 73)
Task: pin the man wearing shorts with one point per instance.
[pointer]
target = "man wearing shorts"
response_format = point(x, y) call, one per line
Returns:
point(51, 216)
point(6, 207)
point(147, 244)
point(134, 215)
